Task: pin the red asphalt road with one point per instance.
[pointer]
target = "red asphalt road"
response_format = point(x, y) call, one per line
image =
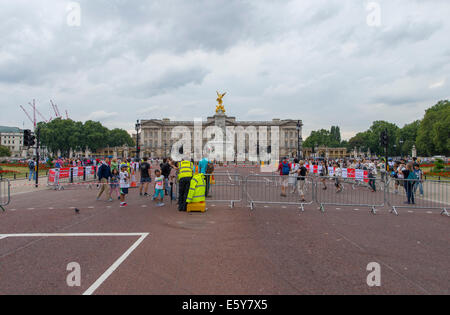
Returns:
point(271, 250)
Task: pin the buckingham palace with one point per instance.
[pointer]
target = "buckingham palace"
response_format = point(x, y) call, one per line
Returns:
point(156, 134)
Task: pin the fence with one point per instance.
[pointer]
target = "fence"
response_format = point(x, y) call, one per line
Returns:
point(274, 189)
point(339, 191)
point(226, 188)
point(269, 189)
point(418, 194)
point(5, 193)
point(221, 188)
point(58, 177)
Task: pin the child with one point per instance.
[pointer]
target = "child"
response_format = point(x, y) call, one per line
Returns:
point(159, 188)
point(124, 184)
point(114, 184)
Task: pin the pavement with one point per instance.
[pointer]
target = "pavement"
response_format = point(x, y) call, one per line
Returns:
point(273, 249)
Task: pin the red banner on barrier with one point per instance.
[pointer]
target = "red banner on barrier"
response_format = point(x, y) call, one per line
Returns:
point(51, 176)
point(64, 172)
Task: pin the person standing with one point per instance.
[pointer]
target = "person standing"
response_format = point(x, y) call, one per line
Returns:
point(209, 176)
point(284, 169)
point(124, 184)
point(185, 173)
point(104, 174)
point(166, 169)
point(32, 169)
point(302, 172)
point(419, 175)
point(145, 177)
point(159, 188)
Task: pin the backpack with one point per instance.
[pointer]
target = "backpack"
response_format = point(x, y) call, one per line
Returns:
point(412, 175)
point(210, 168)
point(285, 168)
point(31, 165)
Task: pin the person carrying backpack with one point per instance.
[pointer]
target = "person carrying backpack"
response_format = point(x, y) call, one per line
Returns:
point(284, 168)
point(32, 170)
point(410, 181)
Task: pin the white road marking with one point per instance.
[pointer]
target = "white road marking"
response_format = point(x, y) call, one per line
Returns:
point(30, 208)
point(114, 266)
point(110, 270)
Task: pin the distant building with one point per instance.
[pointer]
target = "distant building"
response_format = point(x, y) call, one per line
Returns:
point(12, 138)
point(155, 138)
point(325, 152)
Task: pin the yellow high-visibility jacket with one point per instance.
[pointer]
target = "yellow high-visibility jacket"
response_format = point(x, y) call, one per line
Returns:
point(197, 189)
point(186, 169)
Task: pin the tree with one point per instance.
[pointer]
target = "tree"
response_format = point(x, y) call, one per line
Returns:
point(407, 137)
point(4, 151)
point(433, 135)
point(324, 137)
point(65, 135)
point(119, 137)
point(370, 139)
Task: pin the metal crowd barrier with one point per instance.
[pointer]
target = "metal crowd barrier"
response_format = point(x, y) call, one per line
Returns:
point(224, 188)
point(58, 177)
point(418, 194)
point(275, 189)
point(338, 191)
point(5, 193)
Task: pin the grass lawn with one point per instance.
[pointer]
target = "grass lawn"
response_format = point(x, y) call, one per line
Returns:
point(22, 172)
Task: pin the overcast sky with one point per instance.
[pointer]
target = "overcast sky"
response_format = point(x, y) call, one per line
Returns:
point(325, 62)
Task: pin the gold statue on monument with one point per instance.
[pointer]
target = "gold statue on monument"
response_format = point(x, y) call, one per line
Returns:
point(220, 107)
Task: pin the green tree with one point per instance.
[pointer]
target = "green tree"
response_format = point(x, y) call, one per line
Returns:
point(322, 137)
point(119, 137)
point(433, 136)
point(4, 151)
point(407, 136)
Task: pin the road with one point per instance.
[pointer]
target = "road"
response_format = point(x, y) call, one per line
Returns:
point(273, 249)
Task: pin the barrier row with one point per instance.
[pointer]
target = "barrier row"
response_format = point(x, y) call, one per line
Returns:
point(57, 177)
point(260, 189)
point(5, 193)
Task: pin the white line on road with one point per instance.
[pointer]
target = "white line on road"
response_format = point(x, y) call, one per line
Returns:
point(114, 266)
point(110, 270)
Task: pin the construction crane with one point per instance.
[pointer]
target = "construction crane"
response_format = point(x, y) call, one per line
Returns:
point(33, 121)
point(38, 112)
point(55, 109)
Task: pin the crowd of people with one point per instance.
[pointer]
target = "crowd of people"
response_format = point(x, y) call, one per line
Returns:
point(115, 176)
point(406, 173)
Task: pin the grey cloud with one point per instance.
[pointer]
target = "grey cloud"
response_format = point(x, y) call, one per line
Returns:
point(169, 81)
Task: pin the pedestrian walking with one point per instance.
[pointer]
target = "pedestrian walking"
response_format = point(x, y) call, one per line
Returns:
point(124, 184)
point(104, 174)
point(145, 177)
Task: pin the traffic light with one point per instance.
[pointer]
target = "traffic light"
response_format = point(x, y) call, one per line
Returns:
point(28, 138)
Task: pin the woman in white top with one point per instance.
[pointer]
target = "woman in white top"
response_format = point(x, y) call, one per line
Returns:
point(293, 173)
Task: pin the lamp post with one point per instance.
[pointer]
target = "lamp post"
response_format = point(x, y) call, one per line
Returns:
point(138, 148)
point(165, 149)
point(299, 140)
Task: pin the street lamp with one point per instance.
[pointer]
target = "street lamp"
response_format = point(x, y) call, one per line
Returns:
point(138, 148)
point(165, 149)
point(299, 140)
